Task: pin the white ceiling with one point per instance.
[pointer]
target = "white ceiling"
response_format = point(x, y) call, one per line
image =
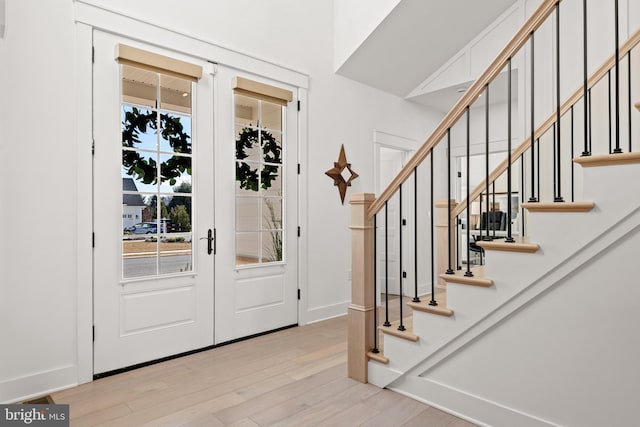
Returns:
point(415, 39)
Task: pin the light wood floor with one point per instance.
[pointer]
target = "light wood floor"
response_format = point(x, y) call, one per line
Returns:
point(296, 377)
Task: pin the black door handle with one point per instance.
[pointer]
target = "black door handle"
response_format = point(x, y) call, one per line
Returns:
point(211, 241)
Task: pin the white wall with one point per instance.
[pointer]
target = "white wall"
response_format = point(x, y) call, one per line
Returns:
point(40, 273)
point(38, 248)
point(354, 21)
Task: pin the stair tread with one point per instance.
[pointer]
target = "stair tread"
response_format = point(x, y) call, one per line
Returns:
point(521, 244)
point(559, 206)
point(378, 357)
point(478, 278)
point(407, 334)
point(608, 159)
point(424, 306)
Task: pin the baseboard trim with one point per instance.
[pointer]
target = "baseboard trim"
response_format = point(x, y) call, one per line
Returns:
point(326, 312)
point(31, 386)
point(465, 405)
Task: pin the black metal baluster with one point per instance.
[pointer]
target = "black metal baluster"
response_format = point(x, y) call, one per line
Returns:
point(522, 192)
point(585, 88)
point(480, 233)
point(386, 264)
point(493, 189)
point(538, 166)
point(617, 150)
point(375, 285)
point(553, 154)
point(532, 198)
point(449, 247)
point(558, 197)
point(401, 326)
point(590, 133)
point(468, 273)
point(629, 94)
point(610, 108)
point(458, 264)
point(486, 164)
point(571, 160)
point(415, 235)
point(509, 238)
point(433, 301)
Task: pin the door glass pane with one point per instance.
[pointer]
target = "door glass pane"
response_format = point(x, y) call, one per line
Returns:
point(247, 248)
point(271, 116)
point(247, 144)
point(246, 111)
point(156, 174)
point(175, 133)
point(175, 94)
point(139, 87)
point(259, 177)
point(248, 214)
point(272, 213)
point(271, 246)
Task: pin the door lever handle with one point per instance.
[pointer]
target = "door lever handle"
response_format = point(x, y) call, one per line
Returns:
point(211, 241)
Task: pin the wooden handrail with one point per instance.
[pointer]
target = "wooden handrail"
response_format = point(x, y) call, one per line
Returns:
point(526, 144)
point(521, 37)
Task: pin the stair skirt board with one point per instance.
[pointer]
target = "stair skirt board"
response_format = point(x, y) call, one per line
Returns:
point(474, 409)
point(392, 377)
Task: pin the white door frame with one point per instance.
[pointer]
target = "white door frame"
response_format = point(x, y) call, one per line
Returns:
point(400, 143)
point(87, 18)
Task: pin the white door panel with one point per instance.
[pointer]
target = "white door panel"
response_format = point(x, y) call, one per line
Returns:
point(153, 293)
point(254, 294)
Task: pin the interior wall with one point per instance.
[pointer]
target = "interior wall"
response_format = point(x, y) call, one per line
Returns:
point(354, 21)
point(38, 119)
point(561, 359)
point(38, 246)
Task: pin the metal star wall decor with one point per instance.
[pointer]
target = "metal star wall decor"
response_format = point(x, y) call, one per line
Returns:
point(342, 174)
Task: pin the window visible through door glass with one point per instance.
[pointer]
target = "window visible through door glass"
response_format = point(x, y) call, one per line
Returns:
point(156, 174)
point(259, 175)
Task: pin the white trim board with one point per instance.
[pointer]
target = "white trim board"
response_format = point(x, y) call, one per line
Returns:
point(140, 29)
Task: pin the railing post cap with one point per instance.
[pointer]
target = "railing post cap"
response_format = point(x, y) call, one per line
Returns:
point(361, 198)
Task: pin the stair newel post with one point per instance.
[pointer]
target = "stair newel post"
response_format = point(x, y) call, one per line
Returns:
point(486, 163)
point(617, 150)
point(509, 238)
point(386, 265)
point(433, 301)
point(375, 285)
point(532, 198)
point(449, 207)
point(468, 273)
point(415, 235)
point(363, 303)
point(558, 165)
point(585, 87)
point(400, 281)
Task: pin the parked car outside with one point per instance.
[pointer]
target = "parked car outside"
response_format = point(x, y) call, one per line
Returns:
point(142, 228)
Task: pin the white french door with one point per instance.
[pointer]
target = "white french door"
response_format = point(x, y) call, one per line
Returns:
point(153, 209)
point(256, 208)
